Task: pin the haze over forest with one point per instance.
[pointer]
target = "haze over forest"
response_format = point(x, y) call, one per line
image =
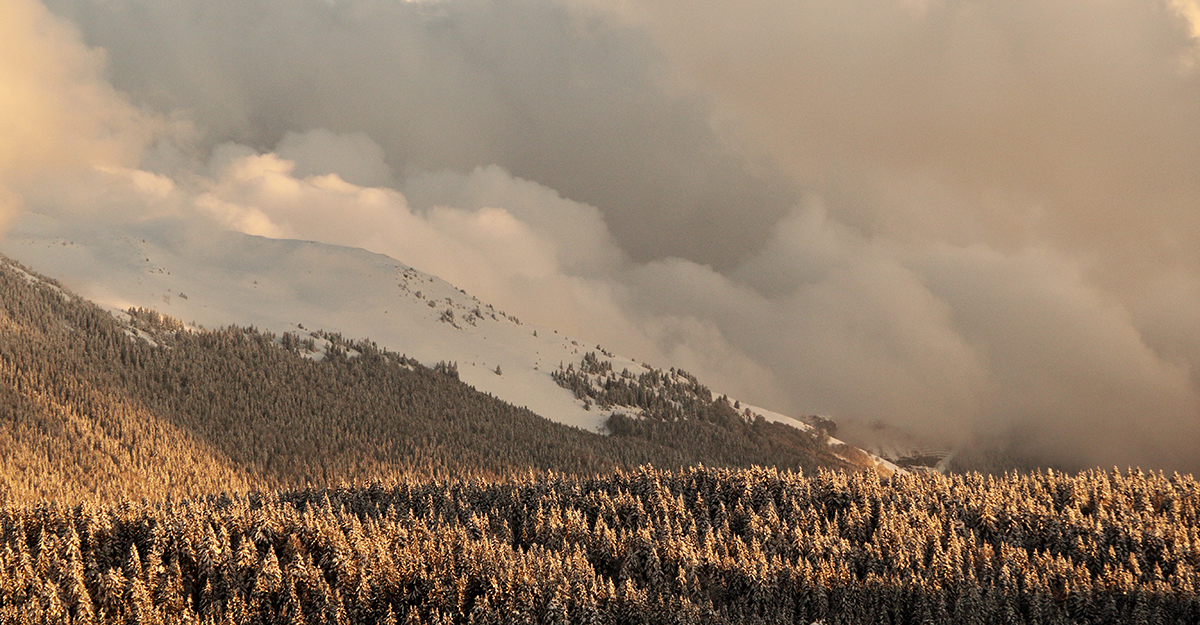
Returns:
point(962, 218)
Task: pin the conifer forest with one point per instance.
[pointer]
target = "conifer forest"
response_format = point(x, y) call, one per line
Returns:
point(159, 473)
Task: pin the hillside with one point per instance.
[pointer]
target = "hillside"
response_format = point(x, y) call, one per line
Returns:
point(144, 406)
point(219, 278)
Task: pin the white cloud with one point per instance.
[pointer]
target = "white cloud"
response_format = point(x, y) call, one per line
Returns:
point(58, 116)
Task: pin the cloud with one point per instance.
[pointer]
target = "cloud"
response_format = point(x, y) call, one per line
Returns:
point(1190, 11)
point(354, 157)
point(551, 93)
point(58, 116)
point(1043, 153)
point(1067, 361)
point(965, 218)
point(1005, 123)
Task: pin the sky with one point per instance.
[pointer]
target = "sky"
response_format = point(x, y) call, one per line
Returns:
point(968, 219)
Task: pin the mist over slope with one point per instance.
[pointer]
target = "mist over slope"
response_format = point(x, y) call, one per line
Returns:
point(964, 219)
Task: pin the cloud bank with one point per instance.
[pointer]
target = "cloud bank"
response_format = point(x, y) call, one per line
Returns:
point(57, 113)
point(549, 92)
point(960, 218)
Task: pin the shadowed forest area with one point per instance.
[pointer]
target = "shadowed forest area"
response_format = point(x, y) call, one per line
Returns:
point(156, 473)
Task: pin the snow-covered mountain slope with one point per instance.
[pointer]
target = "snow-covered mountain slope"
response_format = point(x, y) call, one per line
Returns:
point(214, 278)
point(218, 278)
